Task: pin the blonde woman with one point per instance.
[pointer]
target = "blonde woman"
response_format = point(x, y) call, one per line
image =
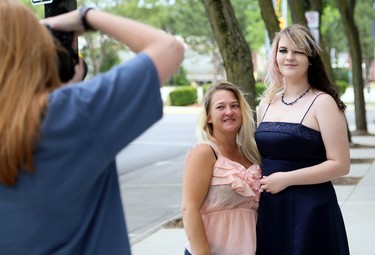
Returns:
point(221, 177)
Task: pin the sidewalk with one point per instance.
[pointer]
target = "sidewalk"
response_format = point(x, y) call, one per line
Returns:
point(357, 200)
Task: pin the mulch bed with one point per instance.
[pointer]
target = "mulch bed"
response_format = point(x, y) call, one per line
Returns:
point(346, 181)
point(361, 146)
point(176, 223)
point(361, 160)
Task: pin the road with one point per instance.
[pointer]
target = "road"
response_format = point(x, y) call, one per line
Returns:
point(168, 138)
point(150, 173)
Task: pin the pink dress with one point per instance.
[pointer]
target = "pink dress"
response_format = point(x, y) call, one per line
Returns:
point(230, 209)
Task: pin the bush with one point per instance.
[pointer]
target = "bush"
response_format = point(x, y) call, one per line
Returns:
point(341, 86)
point(183, 96)
point(341, 74)
point(259, 89)
point(204, 88)
point(180, 77)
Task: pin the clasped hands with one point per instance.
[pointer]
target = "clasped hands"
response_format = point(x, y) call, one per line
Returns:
point(273, 183)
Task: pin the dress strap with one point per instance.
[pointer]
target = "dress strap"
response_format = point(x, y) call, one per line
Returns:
point(264, 115)
point(214, 152)
point(310, 107)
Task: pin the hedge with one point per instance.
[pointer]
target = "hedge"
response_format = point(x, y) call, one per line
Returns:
point(183, 96)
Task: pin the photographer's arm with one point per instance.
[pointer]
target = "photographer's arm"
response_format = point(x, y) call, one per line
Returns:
point(165, 51)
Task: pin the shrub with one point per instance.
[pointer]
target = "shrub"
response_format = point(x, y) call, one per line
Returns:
point(180, 77)
point(204, 88)
point(341, 86)
point(183, 96)
point(259, 89)
point(341, 74)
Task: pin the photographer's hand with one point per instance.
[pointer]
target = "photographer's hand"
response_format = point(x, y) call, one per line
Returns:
point(79, 72)
point(165, 51)
point(65, 22)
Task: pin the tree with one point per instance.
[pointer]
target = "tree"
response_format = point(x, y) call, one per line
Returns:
point(269, 17)
point(37, 9)
point(233, 47)
point(99, 51)
point(364, 15)
point(297, 11)
point(254, 27)
point(346, 8)
point(332, 32)
point(188, 19)
point(316, 5)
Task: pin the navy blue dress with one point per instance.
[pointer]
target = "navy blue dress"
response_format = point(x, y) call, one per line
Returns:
point(299, 220)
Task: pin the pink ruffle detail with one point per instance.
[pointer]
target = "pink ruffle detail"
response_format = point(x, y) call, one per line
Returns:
point(243, 181)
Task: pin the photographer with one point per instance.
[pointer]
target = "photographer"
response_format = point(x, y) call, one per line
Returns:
point(59, 190)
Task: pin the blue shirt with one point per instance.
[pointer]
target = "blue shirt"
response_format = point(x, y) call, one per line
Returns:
point(71, 204)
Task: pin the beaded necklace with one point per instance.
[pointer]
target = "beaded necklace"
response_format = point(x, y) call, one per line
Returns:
point(296, 100)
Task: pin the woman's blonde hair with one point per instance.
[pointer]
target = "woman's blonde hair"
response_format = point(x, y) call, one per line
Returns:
point(28, 73)
point(245, 137)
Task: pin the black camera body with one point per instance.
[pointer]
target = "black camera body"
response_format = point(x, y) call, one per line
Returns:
point(67, 56)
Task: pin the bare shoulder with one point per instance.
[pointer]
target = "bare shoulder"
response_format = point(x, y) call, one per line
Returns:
point(325, 102)
point(201, 151)
point(326, 109)
point(200, 162)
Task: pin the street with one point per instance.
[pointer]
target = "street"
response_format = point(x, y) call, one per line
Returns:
point(150, 173)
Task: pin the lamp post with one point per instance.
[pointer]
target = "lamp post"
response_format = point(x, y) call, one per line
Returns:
point(57, 7)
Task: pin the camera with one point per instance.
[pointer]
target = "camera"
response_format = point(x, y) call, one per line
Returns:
point(67, 56)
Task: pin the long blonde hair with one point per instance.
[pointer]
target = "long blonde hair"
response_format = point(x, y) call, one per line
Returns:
point(245, 138)
point(28, 73)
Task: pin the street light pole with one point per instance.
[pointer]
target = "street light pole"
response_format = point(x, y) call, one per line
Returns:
point(66, 66)
point(59, 7)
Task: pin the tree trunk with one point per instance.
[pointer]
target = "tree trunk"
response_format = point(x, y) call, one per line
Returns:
point(269, 17)
point(297, 12)
point(346, 8)
point(233, 47)
point(316, 5)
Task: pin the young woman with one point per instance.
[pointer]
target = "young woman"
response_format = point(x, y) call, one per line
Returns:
point(59, 191)
point(221, 177)
point(302, 138)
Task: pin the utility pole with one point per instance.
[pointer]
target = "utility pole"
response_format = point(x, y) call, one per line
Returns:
point(54, 8)
point(66, 65)
point(59, 7)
